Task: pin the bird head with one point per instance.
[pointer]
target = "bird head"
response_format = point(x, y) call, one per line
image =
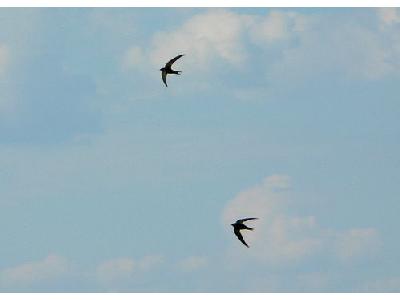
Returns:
point(233, 224)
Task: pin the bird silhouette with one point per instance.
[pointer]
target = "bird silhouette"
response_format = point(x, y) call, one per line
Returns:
point(168, 70)
point(238, 225)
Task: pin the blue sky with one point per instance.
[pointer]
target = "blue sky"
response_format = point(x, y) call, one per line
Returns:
point(109, 181)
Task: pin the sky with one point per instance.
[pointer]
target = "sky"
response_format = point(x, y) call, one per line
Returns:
point(111, 182)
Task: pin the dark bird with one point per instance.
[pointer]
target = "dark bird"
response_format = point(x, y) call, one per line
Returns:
point(238, 225)
point(168, 70)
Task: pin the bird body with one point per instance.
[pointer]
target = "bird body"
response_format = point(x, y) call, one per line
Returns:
point(168, 69)
point(238, 225)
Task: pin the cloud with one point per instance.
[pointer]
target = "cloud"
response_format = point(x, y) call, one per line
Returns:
point(193, 263)
point(51, 268)
point(344, 46)
point(115, 269)
point(278, 26)
point(221, 35)
point(119, 271)
point(281, 238)
point(297, 46)
point(214, 34)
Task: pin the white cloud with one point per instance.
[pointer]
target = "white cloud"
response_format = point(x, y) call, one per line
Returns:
point(279, 182)
point(305, 45)
point(351, 51)
point(281, 238)
point(51, 268)
point(278, 26)
point(115, 269)
point(121, 270)
point(193, 263)
point(221, 34)
point(214, 34)
point(343, 47)
point(262, 197)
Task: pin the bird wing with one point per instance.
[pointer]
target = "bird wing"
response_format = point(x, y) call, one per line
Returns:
point(244, 220)
point(240, 237)
point(169, 64)
point(164, 77)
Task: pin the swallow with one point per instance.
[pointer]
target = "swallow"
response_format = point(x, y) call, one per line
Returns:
point(238, 225)
point(168, 70)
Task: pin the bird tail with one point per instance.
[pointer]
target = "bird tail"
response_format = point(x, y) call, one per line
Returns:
point(249, 228)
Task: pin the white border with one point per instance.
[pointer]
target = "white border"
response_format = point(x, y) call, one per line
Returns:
point(200, 3)
point(199, 296)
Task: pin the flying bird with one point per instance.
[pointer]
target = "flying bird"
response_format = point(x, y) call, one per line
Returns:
point(238, 225)
point(168, 70)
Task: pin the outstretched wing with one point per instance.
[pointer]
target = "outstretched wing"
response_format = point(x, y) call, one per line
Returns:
point(244, 220)
point(169, 64)
point(164, 77)
point(240, 237)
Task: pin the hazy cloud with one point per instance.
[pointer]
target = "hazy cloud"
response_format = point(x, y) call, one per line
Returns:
point(193, 263)
point(37, 272)
point(115, 269)
point(119, 271)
